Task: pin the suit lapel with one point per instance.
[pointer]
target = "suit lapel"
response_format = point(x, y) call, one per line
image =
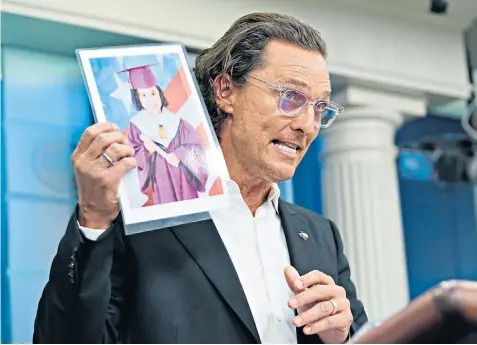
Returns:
point(204, 244)
point(304, 255)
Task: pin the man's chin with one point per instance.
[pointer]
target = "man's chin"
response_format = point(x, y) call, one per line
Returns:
point(283, 172)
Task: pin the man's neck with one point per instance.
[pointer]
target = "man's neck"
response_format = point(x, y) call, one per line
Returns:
point(254, 191)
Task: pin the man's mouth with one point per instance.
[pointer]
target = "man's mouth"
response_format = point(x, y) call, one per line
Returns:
point(288, 148)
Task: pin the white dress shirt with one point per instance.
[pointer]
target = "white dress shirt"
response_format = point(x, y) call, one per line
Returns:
point(259, 253)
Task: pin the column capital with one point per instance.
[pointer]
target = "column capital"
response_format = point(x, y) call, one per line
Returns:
point(370, 120)
point(354, 113)
point(362, 130)
point(383, 101)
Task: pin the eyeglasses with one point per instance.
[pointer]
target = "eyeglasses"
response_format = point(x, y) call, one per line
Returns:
point(293, 102)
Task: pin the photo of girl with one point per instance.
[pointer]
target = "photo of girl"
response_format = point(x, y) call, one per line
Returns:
point(150, 94)
point(170, 157)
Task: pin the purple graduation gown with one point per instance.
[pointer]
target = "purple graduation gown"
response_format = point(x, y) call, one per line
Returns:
point(170, 183)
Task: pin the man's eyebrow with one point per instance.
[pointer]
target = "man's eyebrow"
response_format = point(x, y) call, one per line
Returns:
point(295, 82)
point(300, 84)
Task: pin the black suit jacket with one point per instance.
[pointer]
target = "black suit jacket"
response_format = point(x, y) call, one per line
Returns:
point(175, 285)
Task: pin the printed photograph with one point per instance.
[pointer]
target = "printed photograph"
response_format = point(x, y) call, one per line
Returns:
point(150, 94)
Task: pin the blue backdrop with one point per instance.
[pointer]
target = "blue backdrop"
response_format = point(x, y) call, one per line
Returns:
point(440, 229)
point(2, 206)
point(45, 111)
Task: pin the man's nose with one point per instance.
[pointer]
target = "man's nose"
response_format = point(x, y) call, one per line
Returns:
point(305, 121)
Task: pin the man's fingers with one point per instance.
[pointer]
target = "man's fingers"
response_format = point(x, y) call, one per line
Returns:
point(102, 141)
point(116, 152)
point(316, 278)
point(90, 134)
point(315, 294)
point(298, 284)
point(292, 277)
point(122, 167)
point(338, 323)
point(320, 311)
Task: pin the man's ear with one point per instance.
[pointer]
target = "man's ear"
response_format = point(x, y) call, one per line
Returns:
point(223, 88)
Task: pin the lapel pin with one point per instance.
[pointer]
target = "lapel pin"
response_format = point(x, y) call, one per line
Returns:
point(303, 235)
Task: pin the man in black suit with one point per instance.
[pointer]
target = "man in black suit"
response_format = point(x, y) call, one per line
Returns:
point(262, 270)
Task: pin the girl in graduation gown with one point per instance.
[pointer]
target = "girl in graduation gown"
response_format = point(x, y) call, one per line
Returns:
point(183, 174)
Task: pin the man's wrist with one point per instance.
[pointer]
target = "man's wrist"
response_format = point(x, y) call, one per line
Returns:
point(90, 220)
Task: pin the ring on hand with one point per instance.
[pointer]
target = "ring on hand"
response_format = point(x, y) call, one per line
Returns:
point(110, 161)
point(335, 306)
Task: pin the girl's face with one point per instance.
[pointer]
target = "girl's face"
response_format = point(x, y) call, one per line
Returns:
point(150, 99)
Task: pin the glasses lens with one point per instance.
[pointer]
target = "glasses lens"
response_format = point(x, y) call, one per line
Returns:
point(292, 102)
point(325, 113)
point(325, 116)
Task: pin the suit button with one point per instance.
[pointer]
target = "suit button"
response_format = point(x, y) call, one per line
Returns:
point(71, 275)
point(71, 265)
point(73, 255)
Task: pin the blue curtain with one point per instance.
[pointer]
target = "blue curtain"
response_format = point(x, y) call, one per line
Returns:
point(286, 191)
point(307, 179)
point(39, 131)
point(437, 218)
point(2, 226)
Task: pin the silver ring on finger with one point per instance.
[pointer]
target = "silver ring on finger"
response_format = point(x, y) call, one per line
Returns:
point(110, 161)
point(335, 306)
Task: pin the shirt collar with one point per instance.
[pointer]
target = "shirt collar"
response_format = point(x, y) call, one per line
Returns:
point(274, 196)
point(235, 195)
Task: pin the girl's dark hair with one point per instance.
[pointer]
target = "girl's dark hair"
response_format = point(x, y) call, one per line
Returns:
point(137, 101)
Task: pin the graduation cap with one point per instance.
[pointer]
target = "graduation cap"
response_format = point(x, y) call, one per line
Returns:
point(141, 77)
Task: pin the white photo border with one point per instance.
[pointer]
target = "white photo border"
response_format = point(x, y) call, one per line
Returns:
point(174, 209)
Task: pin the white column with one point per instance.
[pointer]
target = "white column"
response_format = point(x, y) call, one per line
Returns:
point(361, 194)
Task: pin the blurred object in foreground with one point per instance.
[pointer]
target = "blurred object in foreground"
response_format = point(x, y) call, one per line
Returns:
point(444, 314)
